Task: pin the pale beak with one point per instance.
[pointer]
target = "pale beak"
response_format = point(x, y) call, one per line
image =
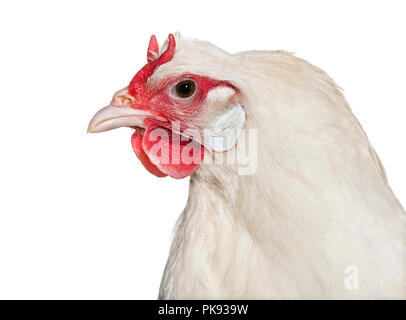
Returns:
point(120, 113)
point(111, 117)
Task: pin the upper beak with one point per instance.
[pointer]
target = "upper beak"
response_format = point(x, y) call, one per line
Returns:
point(111, 117)
point(120, 113)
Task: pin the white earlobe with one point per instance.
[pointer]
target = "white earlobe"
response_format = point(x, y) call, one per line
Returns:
point(224, 129)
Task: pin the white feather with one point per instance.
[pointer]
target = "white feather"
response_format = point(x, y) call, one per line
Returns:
point(318, 202)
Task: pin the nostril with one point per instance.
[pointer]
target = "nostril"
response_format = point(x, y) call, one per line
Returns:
point(122, 101)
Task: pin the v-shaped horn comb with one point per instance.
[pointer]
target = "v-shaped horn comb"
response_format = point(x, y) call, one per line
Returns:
point(142, 76)
point(153, 49)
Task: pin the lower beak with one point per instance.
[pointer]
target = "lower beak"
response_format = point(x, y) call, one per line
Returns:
point(112, 117)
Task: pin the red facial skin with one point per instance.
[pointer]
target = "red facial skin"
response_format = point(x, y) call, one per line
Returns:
point(159, 101)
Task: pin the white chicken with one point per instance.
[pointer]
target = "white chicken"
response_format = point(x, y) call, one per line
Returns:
point(314, 219)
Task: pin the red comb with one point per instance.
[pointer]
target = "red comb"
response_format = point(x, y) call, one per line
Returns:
point(153, 49)
point(142, 76)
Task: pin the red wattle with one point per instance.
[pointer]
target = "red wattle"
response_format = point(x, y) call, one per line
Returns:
point(163, 152)
point(136, 142)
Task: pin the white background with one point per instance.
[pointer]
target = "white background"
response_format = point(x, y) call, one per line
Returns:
point(79, 215)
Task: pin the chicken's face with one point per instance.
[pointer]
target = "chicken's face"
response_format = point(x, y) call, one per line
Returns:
point(176, 119)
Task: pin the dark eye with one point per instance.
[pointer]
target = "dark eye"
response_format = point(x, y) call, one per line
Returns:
point(185, 88)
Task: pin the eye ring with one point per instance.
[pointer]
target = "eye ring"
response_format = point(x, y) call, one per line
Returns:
point(185, 89)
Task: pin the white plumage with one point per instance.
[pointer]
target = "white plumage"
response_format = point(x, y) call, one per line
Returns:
point(318, 202)
point(313, 212)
